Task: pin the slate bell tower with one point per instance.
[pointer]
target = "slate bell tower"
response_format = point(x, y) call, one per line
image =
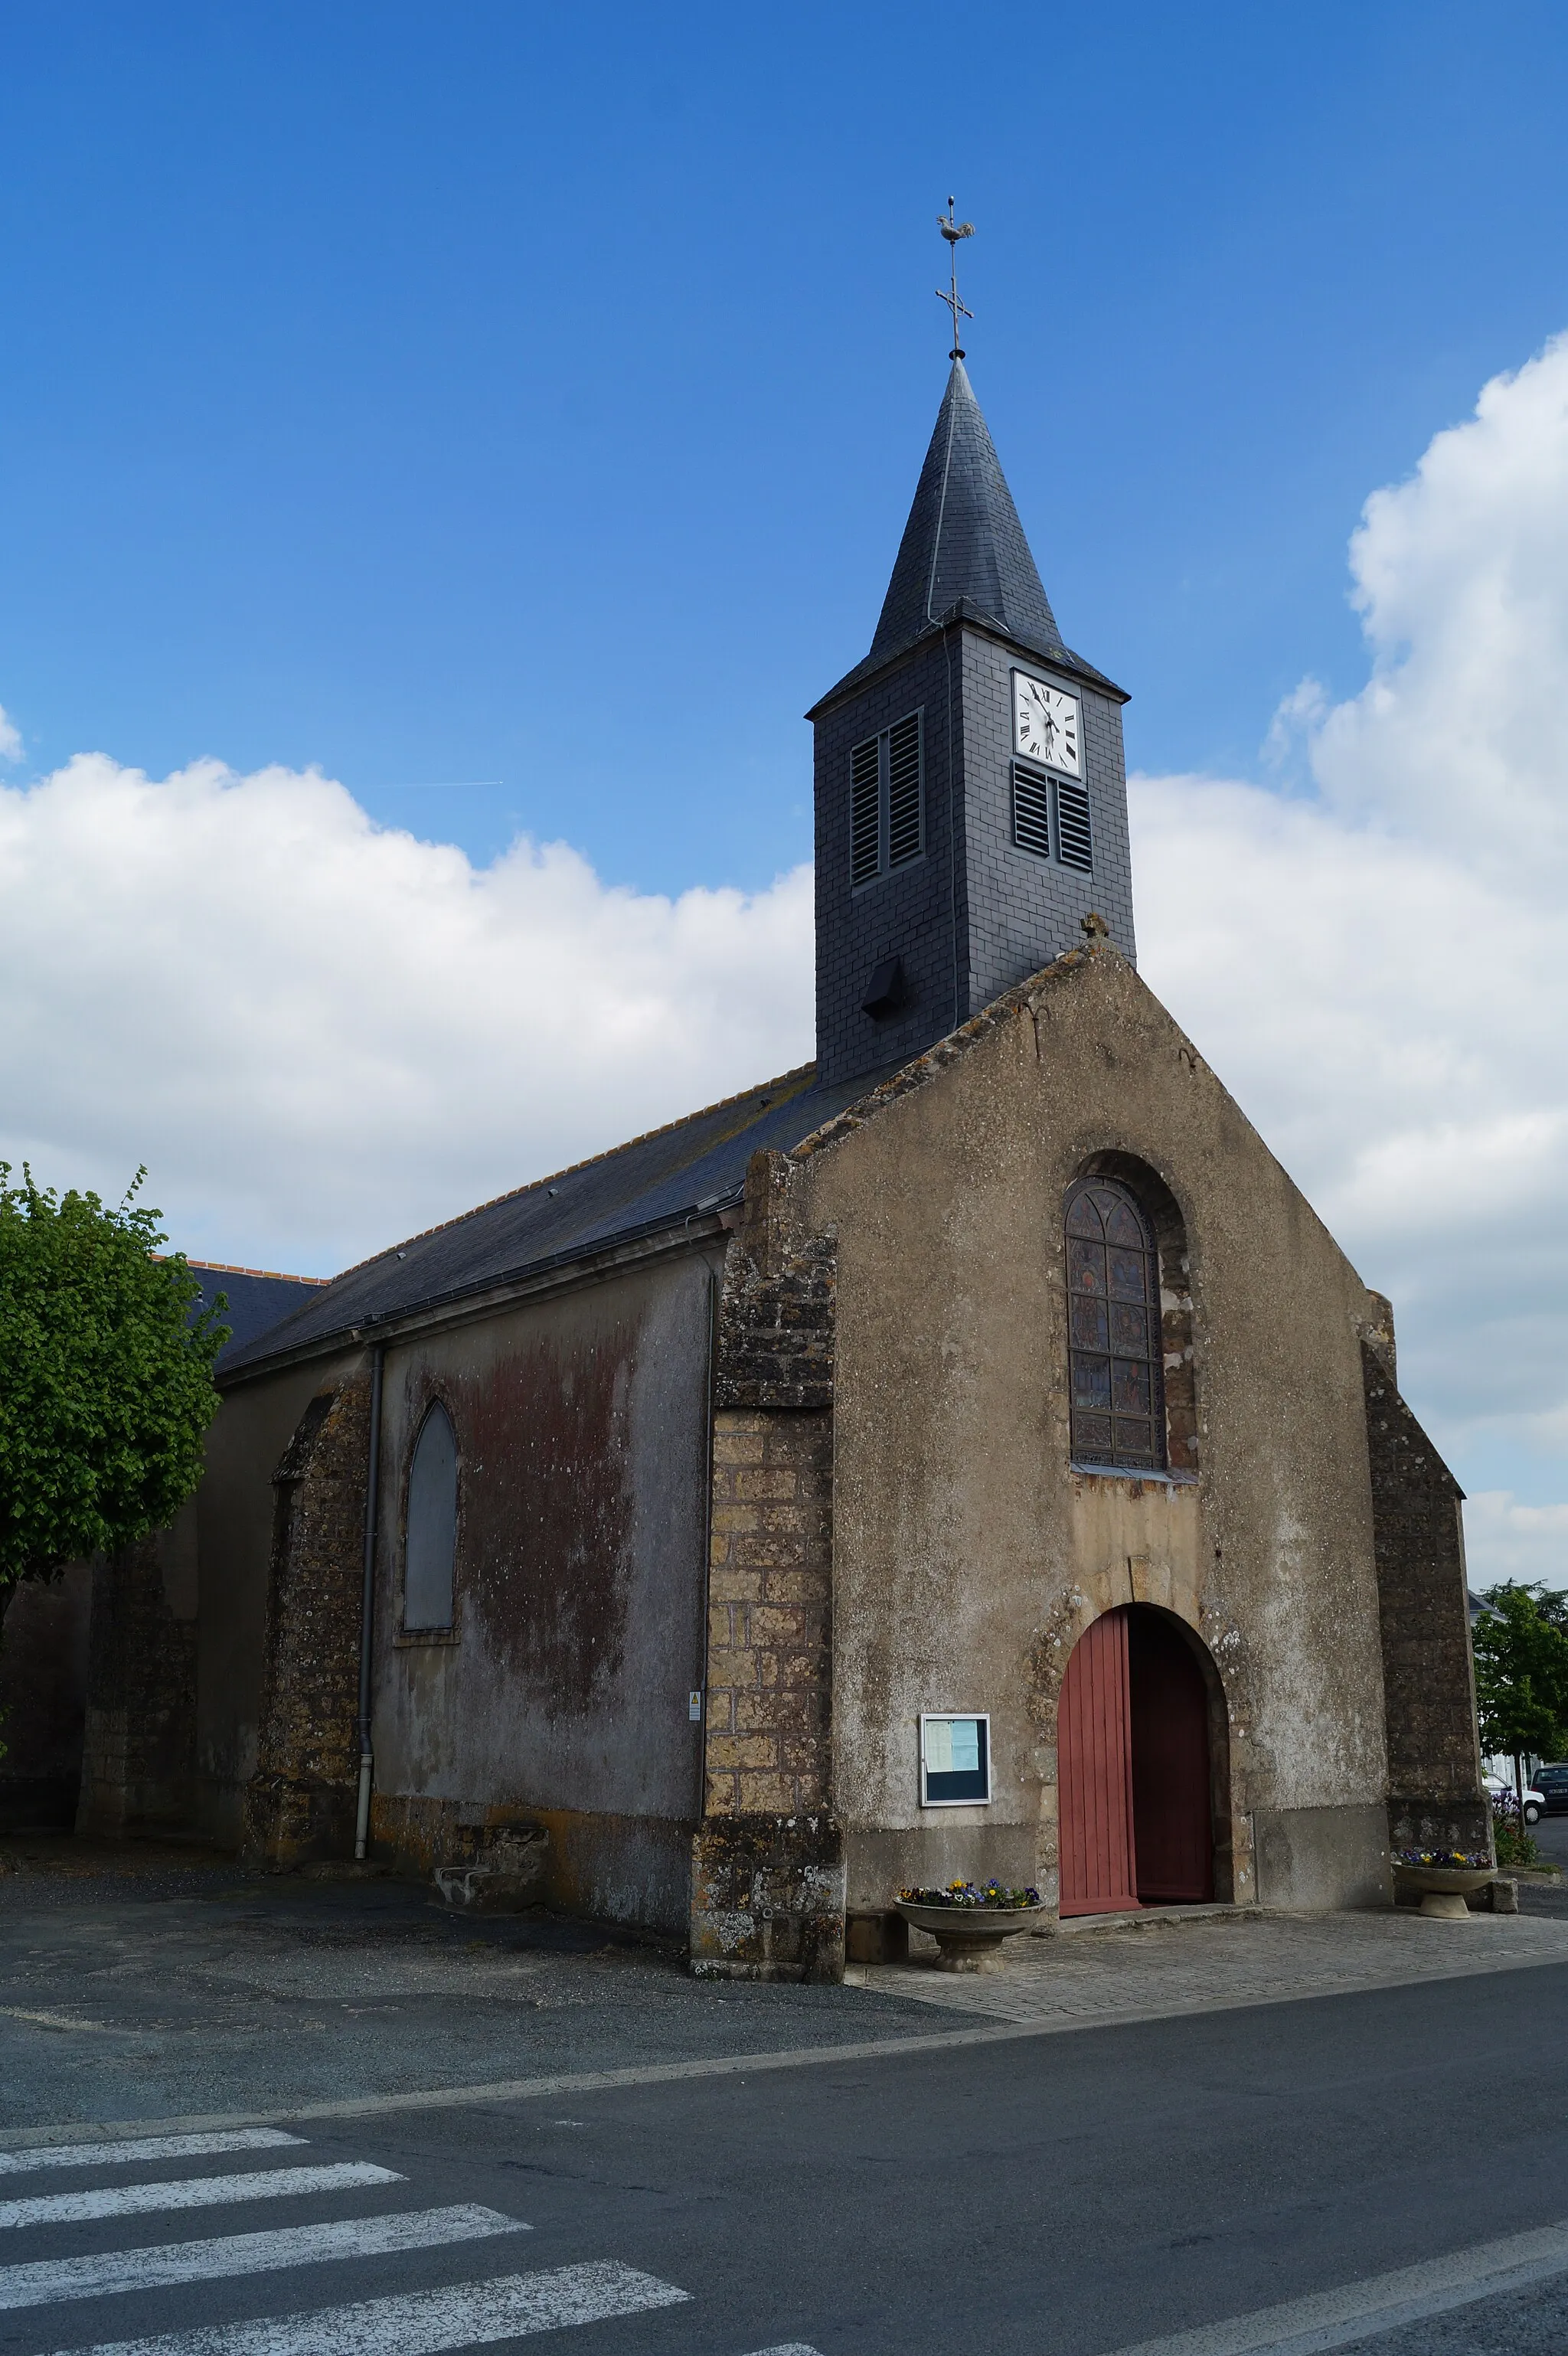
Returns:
point(971, 789)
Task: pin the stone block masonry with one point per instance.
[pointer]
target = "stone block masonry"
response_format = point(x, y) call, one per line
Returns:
point(300, 1803)
point(770, 1599)
point(767, 1890)
point(1429, 1690)
point(767, 1899)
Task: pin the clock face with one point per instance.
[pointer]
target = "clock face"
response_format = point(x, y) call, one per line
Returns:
point(1045, 725)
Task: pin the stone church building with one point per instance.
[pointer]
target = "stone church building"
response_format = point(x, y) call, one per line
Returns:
point(968, 1454)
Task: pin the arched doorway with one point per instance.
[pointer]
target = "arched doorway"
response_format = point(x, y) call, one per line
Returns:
point(1135, 1782)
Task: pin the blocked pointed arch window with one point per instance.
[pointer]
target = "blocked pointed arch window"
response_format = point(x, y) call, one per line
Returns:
point(429, 1553)
point(1113, 1329)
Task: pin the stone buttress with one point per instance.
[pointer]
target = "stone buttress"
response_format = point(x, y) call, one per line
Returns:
point(300, 1802)
point(767, 1888)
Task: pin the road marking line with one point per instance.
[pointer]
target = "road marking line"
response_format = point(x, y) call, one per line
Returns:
point(1360, 2311)
point(121, 2154)
point(787, 2348)
point(740, 2065)
point(48, 2280)
point(428, 2322)
point(192, 2192)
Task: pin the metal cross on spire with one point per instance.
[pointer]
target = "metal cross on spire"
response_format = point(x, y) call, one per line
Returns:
point(952, 230)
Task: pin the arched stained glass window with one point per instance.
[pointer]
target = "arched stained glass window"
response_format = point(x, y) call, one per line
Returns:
point(1113, 1329)
point(431, 1551)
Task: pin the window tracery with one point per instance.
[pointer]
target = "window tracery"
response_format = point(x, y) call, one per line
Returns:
point(1114, 1348)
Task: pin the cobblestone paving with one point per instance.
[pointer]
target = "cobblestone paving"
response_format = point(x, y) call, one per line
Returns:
point(1205, 1965)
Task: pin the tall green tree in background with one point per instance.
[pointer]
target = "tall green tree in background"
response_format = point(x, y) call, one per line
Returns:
point(106, 1386)
point(1521, 1675)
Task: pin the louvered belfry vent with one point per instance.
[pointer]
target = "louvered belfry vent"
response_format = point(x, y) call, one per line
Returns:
point(905, 830)
point(865, 812)
point(1032, 811)
point(1075, 845)
point(887, 801)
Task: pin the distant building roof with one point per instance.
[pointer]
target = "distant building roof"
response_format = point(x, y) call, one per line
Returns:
point(655, 1182)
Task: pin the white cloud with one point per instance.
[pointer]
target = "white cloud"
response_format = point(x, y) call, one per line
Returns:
point(10, 737)
point(1295, 725)
point(1379, 971)
point(322, 1034)
point(1507, 1541)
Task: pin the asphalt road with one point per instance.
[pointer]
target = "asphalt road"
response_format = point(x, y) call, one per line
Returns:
point(1552, 1839)
point(1063, 2195)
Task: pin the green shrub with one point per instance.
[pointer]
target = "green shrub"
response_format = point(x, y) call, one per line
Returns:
point(106, 1386)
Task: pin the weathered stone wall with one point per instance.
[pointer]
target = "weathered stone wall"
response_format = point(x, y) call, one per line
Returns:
point(964, 1543)
point(767, 1875)
point(776, 1305)
point(43, 1699)
point(138, 1769)
point(767, 1899)
point(300, 1802)
point(236, 1520)
point(560, 1693)
point(1436, 1797)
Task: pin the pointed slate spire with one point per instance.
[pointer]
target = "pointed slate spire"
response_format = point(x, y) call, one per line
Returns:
point(964, 546)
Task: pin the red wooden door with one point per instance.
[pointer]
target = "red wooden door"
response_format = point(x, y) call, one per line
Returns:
point(1172, 1815)
point(1094, 1773)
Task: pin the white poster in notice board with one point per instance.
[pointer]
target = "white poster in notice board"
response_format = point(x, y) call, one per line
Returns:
point(954, 1759)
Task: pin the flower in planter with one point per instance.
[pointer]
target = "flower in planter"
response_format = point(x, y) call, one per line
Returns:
point(1446, 1857)
point(996, 1895)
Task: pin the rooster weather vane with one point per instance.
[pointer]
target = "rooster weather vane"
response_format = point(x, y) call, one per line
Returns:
point(952, 230)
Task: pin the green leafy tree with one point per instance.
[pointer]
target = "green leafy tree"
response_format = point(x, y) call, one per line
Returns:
point(106, 1386)
point(1521, 1675)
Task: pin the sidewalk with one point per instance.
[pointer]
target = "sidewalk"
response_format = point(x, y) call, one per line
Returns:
point(1168, 1967)
point(141, 1982)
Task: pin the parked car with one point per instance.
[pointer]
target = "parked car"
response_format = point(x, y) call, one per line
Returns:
point(1536, 1802)
point(1551, 1783)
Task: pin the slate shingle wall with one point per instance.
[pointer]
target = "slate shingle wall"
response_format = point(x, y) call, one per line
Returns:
point(1024, 911)
point(971, 918)
point(907, 914)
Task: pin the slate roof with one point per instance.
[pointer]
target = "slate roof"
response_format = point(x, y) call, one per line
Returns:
point(653, 1183)
point(258, 1297)
point(963, 555)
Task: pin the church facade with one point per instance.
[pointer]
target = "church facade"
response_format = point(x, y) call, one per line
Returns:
point(967, 1455)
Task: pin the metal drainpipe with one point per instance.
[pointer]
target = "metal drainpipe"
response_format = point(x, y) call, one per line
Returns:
point(368, 1602)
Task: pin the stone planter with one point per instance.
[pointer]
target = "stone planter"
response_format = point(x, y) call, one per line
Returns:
point(969, 1938)
point(1443, 1887)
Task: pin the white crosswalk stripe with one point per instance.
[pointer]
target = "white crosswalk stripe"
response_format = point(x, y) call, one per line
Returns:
point(419, 2323)
point(428, 2322)
point(191, 2192)
point(143, 2147)
point(48, 2280)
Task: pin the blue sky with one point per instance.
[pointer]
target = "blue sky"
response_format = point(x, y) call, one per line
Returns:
point(513, 415)
point(494, 393)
